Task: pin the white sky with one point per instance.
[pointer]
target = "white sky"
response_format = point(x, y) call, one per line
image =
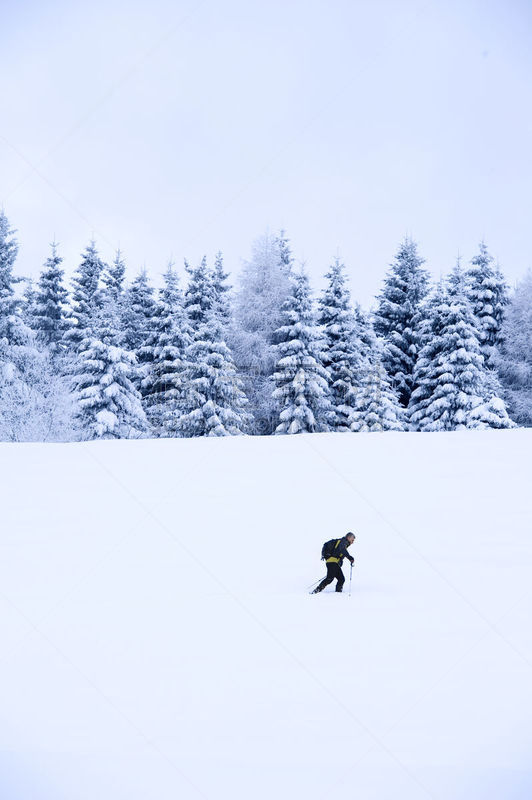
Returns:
point(180, 128)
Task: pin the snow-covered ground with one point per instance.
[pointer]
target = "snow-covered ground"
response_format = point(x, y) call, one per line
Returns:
point(158, 641)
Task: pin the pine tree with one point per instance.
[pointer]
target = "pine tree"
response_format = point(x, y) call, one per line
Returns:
point(376, 405)
point(109, 405)
point(34, 400)
point(140, 308)
point(264, 287)
point(28, 303)
point(21, 384)
point(86, 297)
point(49, 317)
point(286, 260)
point(8, 255)
point(164, 385)
point(399, 317)
point(138, 311)
point(302, 382)
point(200, 294)
point(113, 278)
point(492, 412)
point(220, 290)
point(488, 294)
point(450, 377)
point(112, 315)
point(514, 362)
point(341, 352)
point(214, 403)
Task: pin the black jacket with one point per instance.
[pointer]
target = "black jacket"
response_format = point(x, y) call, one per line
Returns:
point(340, 551)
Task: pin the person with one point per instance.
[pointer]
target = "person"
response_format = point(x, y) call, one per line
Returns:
point(334, 563)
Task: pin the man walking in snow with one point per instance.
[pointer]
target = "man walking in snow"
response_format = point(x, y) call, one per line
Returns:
point(334, 553)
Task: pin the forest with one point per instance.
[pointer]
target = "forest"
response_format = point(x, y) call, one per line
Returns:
point(108, 358)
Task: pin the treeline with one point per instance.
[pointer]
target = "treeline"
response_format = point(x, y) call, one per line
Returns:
point(111, 359)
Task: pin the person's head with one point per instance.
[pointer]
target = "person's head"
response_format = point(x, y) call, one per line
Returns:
point(350, 538)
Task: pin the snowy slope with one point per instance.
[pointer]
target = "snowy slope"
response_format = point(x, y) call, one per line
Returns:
point(158, 641)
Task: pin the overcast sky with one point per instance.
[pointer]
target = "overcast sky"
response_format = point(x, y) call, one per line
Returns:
point(179, 128)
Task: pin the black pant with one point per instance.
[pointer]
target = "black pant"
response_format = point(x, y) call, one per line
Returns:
point(334, 570)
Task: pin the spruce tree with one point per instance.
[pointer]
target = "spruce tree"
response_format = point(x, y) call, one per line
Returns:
point(164, 385)
point(138, 311)
point(214, 403)
point(199, 295)
point(376, 405)
point(341, 352)
point(399, 317)
point(22, 379)
point(514, 362)
point(113, 278)
point(34, 400)
point(220, 290)
point(112, 316)
point(49, 318)
point(488, 294)
point(301, 380)
point(86, 297)
point(27, 306)
point(140, 308)
point(108, 404)
point(286, 260)
point(492, 410)
point(450, 377)
point(8, 255)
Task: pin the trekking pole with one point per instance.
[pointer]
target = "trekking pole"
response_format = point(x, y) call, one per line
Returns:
point(350, 580)
point(314, 584)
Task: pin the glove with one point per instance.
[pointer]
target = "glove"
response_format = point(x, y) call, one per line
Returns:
point(352, 561)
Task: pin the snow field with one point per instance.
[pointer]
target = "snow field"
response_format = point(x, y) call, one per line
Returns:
point(158, 640)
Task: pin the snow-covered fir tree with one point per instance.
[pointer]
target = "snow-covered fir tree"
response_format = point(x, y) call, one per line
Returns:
point(286, 260)
point(488, 294)
point(514, 361)
point(108, 404)
point(163, 386)
point(399, 316)
point(200, 293)
point(450, 378)
point(27, 311)
point(15, 359)
point(301, 380)
point(214, 403)
point(341, 352)
point(138, 311)
point(264, 287)
point(34, 399)
point(221, 290)
point(8, 255)
point(376, 406)
point(140, 308)
point(49, 315)
point(114, 276)
point(113, 301)
point(492, 392)
point(86, 296)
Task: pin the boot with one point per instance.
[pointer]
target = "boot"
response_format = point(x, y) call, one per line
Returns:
point(339, 588)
